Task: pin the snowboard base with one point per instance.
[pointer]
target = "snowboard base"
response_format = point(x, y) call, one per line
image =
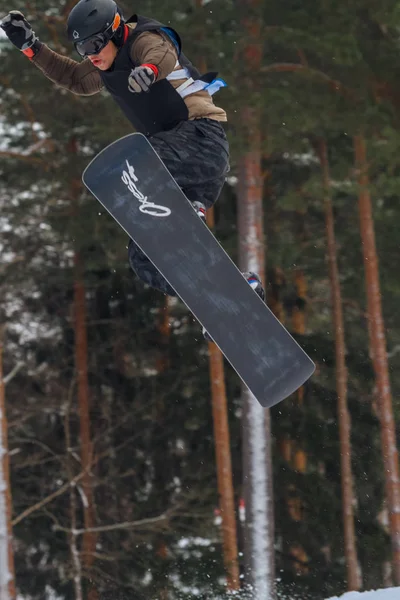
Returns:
point(134, 186)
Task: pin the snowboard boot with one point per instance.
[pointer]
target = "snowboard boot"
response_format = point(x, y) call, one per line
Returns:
point(255, 282)
point(200, 210)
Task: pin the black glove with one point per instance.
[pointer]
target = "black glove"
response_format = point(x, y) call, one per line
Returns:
point(18, 30)
point(141, 78)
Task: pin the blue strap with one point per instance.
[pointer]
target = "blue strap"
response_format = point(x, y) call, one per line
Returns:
point(216, 85)
point(172, 36)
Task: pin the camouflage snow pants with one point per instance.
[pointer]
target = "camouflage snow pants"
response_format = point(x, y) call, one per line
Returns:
point(196, 153)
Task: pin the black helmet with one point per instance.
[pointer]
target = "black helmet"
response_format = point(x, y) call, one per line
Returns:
point(99, 20)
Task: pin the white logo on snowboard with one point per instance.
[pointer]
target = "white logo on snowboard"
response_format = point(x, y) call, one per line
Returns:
point(130, 180)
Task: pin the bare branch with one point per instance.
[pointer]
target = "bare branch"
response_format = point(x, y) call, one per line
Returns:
point(46, 500)
point(24, 157)
point(124, 525)
point(61, 490)
point(13, 372)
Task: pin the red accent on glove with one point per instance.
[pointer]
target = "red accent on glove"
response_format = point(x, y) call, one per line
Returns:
point(29, 53)
point(152, 67)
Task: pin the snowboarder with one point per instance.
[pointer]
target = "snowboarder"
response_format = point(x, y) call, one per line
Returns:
point(139, 61)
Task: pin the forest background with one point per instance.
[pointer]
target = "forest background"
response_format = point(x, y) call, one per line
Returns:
point(110, 484)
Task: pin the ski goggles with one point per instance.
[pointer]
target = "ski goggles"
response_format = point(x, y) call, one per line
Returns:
point(96, 43)
point(93, 45)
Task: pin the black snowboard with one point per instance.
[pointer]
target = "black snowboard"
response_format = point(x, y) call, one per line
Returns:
point(133, 184)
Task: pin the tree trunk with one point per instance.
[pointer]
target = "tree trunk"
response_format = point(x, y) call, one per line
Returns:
point(89, 538)
point(224, 467)
point(81, 369)
point(223, 458)
point(291, 452)
point(297, 455)
point(73, 538)
point(352, 565)
point(276, 284)
point(7, 572)
point(164, 332)
point(378, 353)
point(221, 431)
point(259, 530)
point(257, 465)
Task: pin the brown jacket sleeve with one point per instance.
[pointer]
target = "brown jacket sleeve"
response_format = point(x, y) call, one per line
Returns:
point(79, 78)
point(156, 49)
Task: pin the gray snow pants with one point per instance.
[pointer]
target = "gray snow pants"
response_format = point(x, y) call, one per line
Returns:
point(196, 153)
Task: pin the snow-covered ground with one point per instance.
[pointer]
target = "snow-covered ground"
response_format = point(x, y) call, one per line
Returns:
point(386, 594)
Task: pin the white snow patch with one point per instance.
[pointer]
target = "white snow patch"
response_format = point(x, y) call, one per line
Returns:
point(194, 541)
point(385, 594)
point(261, 526)
point(5, 575)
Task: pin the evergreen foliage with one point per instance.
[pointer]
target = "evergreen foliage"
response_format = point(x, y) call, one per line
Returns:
point(152, 432)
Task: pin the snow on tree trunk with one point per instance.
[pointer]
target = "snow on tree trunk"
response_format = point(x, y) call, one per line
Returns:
point(378, 352)
point(257, 483)
point(257, 468)
point(352, 564)
point(7, 578)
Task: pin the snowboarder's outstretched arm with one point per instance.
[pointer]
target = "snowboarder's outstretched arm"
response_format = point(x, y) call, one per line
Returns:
point(79, 78)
